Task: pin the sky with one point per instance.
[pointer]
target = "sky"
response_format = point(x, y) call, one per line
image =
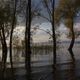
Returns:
point(41, 36)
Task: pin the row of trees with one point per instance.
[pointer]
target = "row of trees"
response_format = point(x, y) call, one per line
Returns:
point(5, 22)
point(65, 12)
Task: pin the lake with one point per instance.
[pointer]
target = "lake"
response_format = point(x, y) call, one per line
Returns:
point(66, 68)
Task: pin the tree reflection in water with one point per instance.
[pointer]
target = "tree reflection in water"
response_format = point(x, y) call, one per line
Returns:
point(64, 71)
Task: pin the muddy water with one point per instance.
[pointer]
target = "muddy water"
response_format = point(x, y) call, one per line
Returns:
point(66, 68)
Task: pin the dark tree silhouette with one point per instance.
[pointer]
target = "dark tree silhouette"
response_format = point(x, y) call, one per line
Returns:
point(11, 33)
point(27, 40)
point(5, 19)
point(53, 30)
point(49, 5)
point(67, 10)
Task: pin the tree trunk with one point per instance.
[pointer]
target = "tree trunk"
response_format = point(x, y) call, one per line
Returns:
point(11, 35)
point(2, 43)
point(72, 43)
point(54, 41)
point(54, 35)
point(72, 40)
point(4, 49)
point(27, 41)
point(71, 52)
point(11, 62)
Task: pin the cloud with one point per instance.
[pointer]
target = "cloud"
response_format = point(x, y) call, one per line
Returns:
point(42, 36)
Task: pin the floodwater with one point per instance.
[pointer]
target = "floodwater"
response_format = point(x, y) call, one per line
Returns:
point(66, 67)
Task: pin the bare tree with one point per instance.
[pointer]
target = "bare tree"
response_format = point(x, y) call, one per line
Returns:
point(5, 20)
point(11, 33)
point(27, 39)
point(49, 5)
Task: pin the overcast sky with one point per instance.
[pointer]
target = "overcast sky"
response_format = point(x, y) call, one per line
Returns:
point(41, 36)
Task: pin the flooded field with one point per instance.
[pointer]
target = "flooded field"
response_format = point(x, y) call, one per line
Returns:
point(66, 67)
